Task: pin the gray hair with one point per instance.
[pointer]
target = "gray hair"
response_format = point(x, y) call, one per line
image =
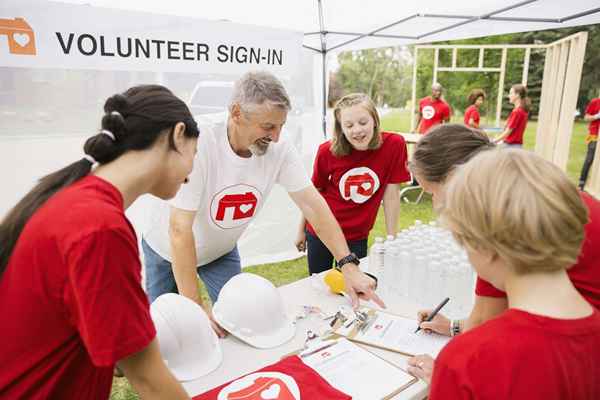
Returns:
point(256, 88)
point(437, 86)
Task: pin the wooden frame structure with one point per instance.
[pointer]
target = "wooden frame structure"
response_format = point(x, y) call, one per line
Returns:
point(558, 102)
point(479, 68)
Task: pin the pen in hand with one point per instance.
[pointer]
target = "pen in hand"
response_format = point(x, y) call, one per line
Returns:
point(433, 313)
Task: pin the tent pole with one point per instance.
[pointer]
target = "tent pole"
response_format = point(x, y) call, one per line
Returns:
point(324, 58)
point(413, 103)
point(324, 65)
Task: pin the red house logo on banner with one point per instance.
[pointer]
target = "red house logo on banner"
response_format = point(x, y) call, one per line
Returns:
point(21, 39)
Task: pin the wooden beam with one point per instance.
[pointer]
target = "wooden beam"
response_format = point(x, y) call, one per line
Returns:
point(454, 55)
point(481, 51)
point(545, 103)
point(574, 65)
point(484, 46)
point(468, 69)
point(558, 88)
point(501, 86)
point(436, 56)
point(526, 66)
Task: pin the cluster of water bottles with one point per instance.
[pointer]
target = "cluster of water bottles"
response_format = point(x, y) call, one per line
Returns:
point(423, 265)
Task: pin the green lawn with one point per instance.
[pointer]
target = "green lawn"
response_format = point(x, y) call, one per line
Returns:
point(290, 271)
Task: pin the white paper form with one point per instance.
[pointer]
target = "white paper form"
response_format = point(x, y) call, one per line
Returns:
point(357, 372)
point(397, 333)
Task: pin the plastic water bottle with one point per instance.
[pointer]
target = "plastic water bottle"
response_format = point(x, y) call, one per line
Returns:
point(376, 255)
point(388, 262)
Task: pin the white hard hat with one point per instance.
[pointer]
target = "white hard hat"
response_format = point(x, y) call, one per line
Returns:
point(188, 344)
point(251, 308)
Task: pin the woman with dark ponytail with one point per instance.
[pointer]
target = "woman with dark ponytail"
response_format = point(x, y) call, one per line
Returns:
point(70, 295)
point(514, 130)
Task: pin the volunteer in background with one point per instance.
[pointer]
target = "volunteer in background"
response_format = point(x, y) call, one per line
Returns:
point(592, 115)
point(354, 172)
point(433, 110)
point(521, 230)
point(472, 117)
point(516, 124)
point(70, 290)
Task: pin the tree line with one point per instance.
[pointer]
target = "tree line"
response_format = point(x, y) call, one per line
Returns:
point(385, 74)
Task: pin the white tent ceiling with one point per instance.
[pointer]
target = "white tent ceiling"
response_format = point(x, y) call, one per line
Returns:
point(389, 22)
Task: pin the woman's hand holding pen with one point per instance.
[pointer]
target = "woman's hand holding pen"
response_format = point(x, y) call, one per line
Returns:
point(439, 324)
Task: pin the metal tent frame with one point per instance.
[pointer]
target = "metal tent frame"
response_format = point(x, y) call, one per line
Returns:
point(464, 20)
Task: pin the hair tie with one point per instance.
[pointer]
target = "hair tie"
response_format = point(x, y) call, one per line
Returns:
point(108, 133)
point(91, 159)
point(116, 113)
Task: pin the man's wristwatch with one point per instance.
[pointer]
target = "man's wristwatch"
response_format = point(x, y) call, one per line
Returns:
point(350, 258)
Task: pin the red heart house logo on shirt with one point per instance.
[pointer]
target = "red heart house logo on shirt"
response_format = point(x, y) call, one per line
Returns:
point(235, 206)
point(428, 112)
point(262, 386)
point(358, 184)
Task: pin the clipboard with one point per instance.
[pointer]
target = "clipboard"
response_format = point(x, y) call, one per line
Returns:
point(395, 333)
point(343, 354)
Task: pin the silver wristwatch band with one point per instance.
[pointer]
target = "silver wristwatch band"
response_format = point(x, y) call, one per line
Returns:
point(454, 327)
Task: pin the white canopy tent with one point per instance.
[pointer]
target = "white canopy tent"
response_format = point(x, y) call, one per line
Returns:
point(329, 26)
point(338, 25)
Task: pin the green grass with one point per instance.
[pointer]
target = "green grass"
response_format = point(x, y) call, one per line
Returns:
point(290, 271)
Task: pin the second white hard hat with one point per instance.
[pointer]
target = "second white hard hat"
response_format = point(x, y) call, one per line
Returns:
point(188, 344)
point(251, 308)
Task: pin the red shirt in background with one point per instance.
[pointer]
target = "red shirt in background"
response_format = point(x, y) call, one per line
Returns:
point(517, 121)
point(353, 185)
point(592, 109)
point(585, 274)
point(71, 297)
point(521, 356)
point(472, 112)
point(433, 112)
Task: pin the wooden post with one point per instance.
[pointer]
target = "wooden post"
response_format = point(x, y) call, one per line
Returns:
point(454, 55)
point(557, 94)
point(414, 90)
point(545, 102)
point(481, 51)
point(526, 66)
point(435, 65)
point(501, 86)
point(574, 65)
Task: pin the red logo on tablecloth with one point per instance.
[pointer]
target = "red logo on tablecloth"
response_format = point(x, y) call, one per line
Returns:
point(262, 386)
point(235, 206)
point(358, 184)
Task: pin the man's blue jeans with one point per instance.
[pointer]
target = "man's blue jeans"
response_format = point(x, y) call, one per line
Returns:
point(160, 279)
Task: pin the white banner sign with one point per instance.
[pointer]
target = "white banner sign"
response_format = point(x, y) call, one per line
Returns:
point(53, 35)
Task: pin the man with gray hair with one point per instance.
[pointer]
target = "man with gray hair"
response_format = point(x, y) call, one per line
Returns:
point(433, 110)
point(236, 166)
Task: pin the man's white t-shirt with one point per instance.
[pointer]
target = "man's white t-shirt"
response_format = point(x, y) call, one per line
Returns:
point(227, 192)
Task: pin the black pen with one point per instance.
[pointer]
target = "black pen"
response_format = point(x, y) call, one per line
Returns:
point(433, 313)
